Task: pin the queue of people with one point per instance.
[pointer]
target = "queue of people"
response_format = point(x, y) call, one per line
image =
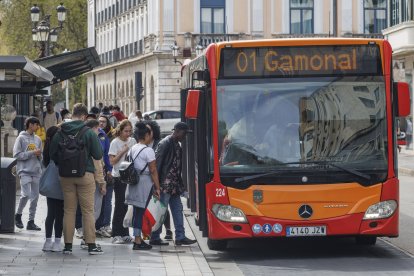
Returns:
point(105, 139)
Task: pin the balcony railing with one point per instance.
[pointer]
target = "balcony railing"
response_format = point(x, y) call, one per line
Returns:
point(206, 39)
point(376, 35)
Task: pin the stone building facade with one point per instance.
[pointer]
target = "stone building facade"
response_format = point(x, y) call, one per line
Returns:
point(134, 38)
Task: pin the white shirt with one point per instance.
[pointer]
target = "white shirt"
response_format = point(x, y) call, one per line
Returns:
point(116, 146)
point(51, 120)
point(146, 156)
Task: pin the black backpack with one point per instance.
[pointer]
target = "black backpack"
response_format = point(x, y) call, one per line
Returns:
point(72, 157)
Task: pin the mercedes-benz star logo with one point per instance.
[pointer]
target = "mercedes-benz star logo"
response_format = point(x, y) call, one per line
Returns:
point(305, 211)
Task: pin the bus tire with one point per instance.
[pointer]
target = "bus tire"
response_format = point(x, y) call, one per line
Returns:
point(366, 240)
point(216, 244)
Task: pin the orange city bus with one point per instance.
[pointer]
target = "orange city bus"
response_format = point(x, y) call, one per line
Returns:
point(291, 138)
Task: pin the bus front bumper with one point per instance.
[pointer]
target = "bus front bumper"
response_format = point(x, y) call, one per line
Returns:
point(348, 225)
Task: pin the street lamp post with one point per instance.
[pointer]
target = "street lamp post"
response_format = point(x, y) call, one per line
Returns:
point(174, 49)
point(199, 49)
point(42, 33)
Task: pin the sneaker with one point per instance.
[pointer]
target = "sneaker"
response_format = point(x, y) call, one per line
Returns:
point(127, 239)
point(18, 221)
point(185, 241)
point(108, 229)
point(118, 240)
point(79, 233)
point(141, 246)
point(96, 250)
point(57, 247)
point(83, 244)
point(168, 236)
point(32, 226)
point(67, 250)
point(158, 242)
point(48, 245)
point(102, 232)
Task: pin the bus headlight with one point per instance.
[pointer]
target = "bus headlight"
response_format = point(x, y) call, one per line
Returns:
point(229, 213)
point(383, 209)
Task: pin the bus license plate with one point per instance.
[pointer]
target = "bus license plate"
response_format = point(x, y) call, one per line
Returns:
point(300, 231)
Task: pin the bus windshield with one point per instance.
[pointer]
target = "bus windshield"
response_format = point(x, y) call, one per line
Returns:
point(278, 123)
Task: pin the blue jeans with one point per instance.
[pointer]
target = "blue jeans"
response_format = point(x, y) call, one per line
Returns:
point(137, 221)
point(174, 201)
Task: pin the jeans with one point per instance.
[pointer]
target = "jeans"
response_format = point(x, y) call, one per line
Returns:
point(120, 209)
point(176, 207)
point(138, 216)
point(54, 217)
point(106, 211)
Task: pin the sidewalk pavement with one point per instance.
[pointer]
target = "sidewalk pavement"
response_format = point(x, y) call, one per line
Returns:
point(21, 254)
point(406, 162)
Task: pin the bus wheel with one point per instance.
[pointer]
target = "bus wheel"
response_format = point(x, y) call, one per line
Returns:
point(366, 240)
point(217, 244)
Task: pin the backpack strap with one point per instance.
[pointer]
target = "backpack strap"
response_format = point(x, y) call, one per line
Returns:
point(137, 157)
point(77, 135)
point(81, 132)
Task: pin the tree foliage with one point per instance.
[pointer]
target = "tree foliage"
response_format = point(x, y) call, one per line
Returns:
point(16, 35)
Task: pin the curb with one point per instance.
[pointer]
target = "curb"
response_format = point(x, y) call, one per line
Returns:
point(406, 171)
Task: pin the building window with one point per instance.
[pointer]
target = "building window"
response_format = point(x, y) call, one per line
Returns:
point(212, 16)
point(395, 12)
point(301, 16)
point(375, 16)
point(399, 11)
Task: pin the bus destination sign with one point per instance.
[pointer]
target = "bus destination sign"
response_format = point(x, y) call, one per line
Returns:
point(295, 61)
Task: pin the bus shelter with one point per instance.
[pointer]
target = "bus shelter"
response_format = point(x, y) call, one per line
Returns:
point(25, 79)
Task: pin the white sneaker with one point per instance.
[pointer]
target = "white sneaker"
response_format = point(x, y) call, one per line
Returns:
point(57, 247)
point(102, 232)
point(47, 246)
point(118, 240)
point(83, 244)
point(108, 229)
point(79, 233)
point(127, 239)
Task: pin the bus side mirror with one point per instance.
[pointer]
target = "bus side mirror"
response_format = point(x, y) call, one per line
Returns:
point(403, 93)
point(193, 98)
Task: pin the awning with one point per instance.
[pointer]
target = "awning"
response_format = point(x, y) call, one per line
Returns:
point(70, 64)
point(20, 75)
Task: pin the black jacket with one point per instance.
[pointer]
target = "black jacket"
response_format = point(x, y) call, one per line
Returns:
point(164, 155)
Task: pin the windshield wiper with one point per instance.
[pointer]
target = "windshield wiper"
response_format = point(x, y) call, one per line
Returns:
point(250, 177)
point(332, 163)
point(348, 170)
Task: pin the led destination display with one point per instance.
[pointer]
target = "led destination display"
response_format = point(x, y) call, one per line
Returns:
point(260, 62)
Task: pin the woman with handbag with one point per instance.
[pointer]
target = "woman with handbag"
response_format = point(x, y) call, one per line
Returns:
point(54, 217)
point(117, 152)
point(139, 194)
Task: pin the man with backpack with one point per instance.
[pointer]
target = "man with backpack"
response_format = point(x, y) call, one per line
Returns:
point(73, 149)
point(50, 117)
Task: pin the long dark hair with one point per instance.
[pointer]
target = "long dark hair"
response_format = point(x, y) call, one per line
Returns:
point(107, 129)
point(51, 131)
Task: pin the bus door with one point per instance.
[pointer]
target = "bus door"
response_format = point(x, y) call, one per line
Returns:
point(197, 156)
